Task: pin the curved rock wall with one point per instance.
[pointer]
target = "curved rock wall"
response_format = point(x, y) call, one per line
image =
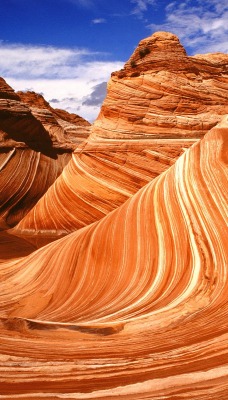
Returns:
point(99, 178)
point(25, 175)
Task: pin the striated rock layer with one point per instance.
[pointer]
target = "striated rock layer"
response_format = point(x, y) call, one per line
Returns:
point(25, 175)
point(133, 306)
point(156, 107)
point(35, 145)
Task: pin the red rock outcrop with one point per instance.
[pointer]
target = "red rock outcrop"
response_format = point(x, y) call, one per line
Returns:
point(35, 145)
point(156, 107)
point(133, 306)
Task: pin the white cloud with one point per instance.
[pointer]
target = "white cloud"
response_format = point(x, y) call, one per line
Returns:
point(40, 61)
point(99, 21)
point(141, 6)
point(67, 75)
point(202, 27)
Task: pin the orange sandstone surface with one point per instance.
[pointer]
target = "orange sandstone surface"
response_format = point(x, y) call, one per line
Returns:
point(63, 127)
point(131, 303)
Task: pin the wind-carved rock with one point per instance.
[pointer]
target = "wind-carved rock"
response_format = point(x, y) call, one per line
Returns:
point(66, 130)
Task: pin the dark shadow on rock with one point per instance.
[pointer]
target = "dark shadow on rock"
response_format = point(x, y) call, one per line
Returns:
point(26, 128)
point(14, 247)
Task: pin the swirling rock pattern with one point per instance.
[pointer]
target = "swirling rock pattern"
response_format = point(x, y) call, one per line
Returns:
point(21, 183)
point(35, 145)
point(133, 306)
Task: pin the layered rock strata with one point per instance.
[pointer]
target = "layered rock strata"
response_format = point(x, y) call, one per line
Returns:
point(25, 175)
point(133, 306)
point(35, 145)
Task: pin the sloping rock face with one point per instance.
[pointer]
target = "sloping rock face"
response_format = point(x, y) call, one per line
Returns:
point(156, 107)
point(133, 306)
point(35, 145)
point(6, 92)
point(25, 175)
point(36, 100)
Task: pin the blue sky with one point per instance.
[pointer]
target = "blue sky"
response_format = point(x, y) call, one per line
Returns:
point(67, 49)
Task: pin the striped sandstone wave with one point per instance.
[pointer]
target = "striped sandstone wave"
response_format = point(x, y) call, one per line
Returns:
point(133, 306)
point(21, 183)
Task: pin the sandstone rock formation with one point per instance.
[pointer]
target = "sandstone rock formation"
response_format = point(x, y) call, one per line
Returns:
point(133, 306)
point(131, 303)
point(35, 145)
point(156, 107)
